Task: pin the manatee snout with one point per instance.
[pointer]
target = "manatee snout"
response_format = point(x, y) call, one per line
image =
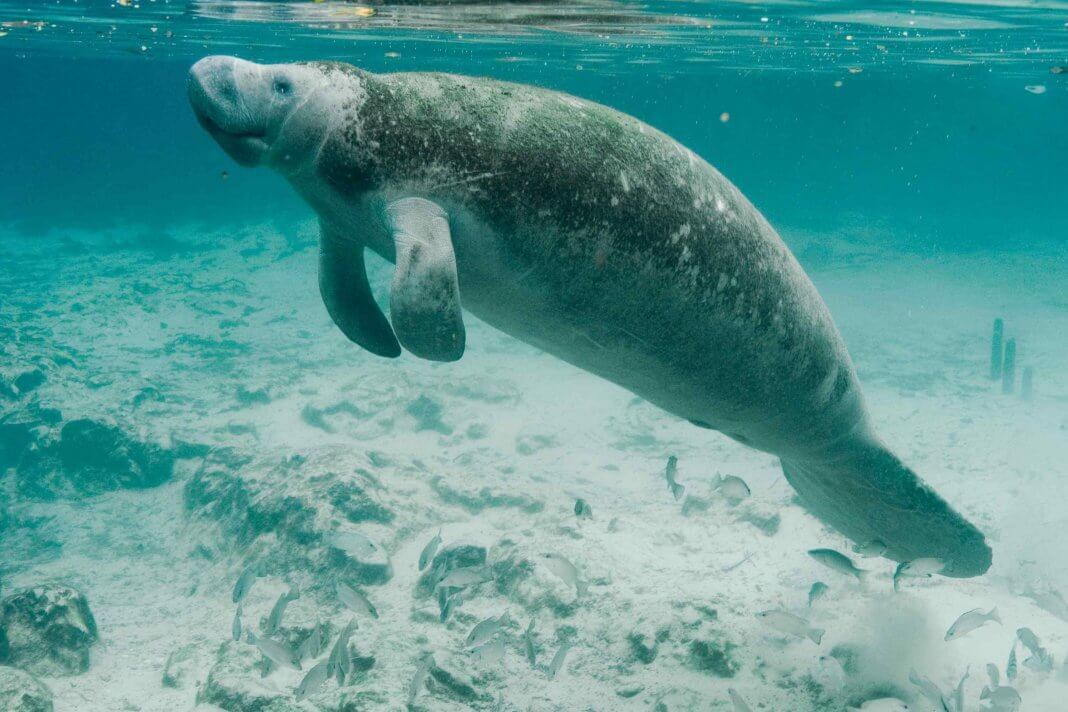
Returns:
point(223, 92)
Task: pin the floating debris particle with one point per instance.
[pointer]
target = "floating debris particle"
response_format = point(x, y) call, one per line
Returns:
point(724, 117)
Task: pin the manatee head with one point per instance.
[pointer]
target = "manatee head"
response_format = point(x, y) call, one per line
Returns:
point(275, 115)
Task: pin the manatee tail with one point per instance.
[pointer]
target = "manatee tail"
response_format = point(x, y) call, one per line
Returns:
point(869, 494)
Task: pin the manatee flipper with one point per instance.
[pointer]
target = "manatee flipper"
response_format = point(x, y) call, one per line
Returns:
point(424, 301)
point(868, 494)
point(347, 295)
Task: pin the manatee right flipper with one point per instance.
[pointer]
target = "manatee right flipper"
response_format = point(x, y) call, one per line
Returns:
point(347, 294)
point(424, 301)
point(868, 494)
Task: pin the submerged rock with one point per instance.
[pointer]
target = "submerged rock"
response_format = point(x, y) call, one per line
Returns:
point(449, 558)
point(457, 685)
point(48, 631)
point(236, 683)
point(301, 512)
point(21, 692)
point(90, 457)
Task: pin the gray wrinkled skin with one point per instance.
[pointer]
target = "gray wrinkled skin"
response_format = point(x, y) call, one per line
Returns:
point(598, 239)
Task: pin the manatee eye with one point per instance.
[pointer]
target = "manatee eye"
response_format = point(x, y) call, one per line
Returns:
point(282, 87)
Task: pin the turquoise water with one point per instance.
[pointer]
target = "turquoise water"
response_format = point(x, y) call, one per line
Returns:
point(176, 406)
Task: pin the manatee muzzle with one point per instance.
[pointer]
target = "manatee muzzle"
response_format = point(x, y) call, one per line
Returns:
point(217, 101)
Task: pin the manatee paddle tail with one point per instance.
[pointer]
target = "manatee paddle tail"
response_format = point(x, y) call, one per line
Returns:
point(868, 494)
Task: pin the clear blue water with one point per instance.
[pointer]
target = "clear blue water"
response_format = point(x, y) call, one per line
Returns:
point(159, 302)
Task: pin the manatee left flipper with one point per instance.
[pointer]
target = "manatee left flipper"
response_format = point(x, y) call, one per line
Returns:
point(347, 294)
point(424, 300)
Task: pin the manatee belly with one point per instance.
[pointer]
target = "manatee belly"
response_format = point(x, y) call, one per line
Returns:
point(788, 389)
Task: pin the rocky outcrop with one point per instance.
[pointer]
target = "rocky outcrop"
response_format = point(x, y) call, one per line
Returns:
point(319, 512)
point(47, 630)
point(21, 692)
point(83, 457)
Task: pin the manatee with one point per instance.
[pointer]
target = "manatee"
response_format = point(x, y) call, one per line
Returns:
point(592, 236)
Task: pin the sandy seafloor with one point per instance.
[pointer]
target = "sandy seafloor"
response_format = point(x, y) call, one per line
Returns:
point(194, 320)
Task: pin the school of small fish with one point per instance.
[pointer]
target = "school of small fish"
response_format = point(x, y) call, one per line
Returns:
point(487, 640)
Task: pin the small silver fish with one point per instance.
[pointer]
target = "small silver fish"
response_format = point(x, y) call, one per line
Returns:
point(419, 679)
point(958, 693)
point(969, 621)
point(566, 571)
point(992, 672)
point(1039, 662)
point(235, 627)
point(837, 562)
point(462, 578)
point(734, 489)
point(737, 701)
point(431, 548)
point(485, 630)
point(244, 584)
point(312, 645)
point(489, 654)
point(917, 568)
point(355, 600)
point(278, 610)
point(870, 550)
point(818, 591)
point(448, 602)
point(1030, 640)
point(1003, 698)
point(928, 689)
point(278, 653)
point(528, 642)
point(671, 473)
point(1051, 602)
point(558, 659)
point(313, 680)
point(793, 625)
point(1010, 667)
point(339, 661)
point(353, 543)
